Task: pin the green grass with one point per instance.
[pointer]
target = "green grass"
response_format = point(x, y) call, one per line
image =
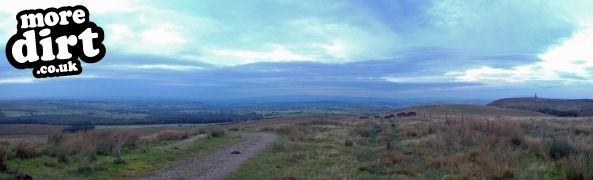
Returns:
point(338, 150)
point(324, 156)
point(65, 111)
point(303, 161)
point(140, 161)
point(15, 113)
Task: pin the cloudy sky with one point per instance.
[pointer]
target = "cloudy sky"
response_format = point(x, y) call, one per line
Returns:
point(212, 49)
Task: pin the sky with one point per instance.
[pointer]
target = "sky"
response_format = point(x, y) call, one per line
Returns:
point(319, 49)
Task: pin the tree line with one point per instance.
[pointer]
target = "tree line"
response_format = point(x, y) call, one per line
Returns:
point(160, 118)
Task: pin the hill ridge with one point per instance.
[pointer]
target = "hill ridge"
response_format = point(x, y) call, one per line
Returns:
point(558, 107)
point(469, 109)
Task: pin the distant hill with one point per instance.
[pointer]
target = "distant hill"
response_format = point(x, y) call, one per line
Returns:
point(470, 110)
point(557, 107)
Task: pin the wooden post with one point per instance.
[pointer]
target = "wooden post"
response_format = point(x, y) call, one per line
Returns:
point(588, 169)
point(543, 133)
point(117, 151)
point(462, 128)
point(446, 118)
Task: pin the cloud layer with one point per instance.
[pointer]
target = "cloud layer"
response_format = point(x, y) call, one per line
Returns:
point(408, 48)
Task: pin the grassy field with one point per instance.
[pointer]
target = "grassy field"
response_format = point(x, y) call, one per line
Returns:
point(134, 126)
point(458, 109)
point(490, 146)
point(28, 129)
point(95, 113)
point(90, 155)
point(423, 148)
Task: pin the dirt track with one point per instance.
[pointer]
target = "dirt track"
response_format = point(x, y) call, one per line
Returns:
point(218, 163)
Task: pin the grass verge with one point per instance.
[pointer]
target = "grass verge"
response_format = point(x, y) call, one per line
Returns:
point(140, 161)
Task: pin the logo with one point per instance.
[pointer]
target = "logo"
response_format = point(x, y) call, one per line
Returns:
point(52, 41)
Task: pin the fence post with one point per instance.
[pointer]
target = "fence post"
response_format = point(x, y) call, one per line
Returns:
point(462, 127)
point(447, 118)
point(543, 133)
point(117, 151)
point(588, 169)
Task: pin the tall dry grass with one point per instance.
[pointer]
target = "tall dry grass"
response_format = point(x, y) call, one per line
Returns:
point(492, 147)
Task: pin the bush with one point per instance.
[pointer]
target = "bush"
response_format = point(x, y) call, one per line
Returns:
point(61, 154)
point(24, 150)
point(558, 112)
point(516, 140)
point(3, 152)
point(559, 149)
point(348, 143)
point(171, 135)
point(99, 167)
point(279, 147)
point(318, 122)
point(217, 133)
point(79, 127)
point(575, 168)
point(50, 163)
point(368, 129)
point(84, 168)
point(84, 163)
point(573, 173)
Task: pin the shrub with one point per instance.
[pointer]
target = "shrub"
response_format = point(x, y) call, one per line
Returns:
point(573, 173)
point(500, 170)
point(392, 157)
point(171, 135)
point(79, 127)
point(24, 150)
point(559, 149)
point(574, 168)
point(3, 152)
point(99, 167)
point(516, 140)
point(50, 163)
point(84, 163)
point(62, 155)
point(559, 112)
point(368, 129)
point(131, 141)
point(55, 139)
point(279, 147)
point(348, 143)
point(84, 168)
point(104, 142)
point(318, 122)
point(217, 133)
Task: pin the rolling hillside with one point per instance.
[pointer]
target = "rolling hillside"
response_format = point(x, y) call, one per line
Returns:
point(470, 110)
point(558, 107)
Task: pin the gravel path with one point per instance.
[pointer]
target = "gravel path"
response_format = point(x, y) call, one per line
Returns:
point(220, 162)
